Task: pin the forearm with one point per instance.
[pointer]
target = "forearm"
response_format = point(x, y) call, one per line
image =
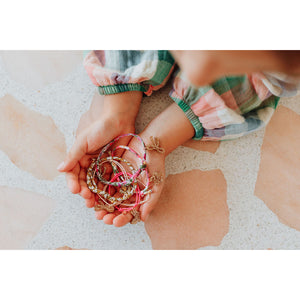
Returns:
point(123, 105)
point(171, 127)
point(203, 67)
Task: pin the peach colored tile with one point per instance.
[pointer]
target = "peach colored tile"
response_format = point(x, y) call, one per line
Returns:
point(36, 69)
point(191, 213)
point(278, 180)
point(68, 248)
point(22, 213)
point(64, 248)
point(31, 140)
point(202, 146)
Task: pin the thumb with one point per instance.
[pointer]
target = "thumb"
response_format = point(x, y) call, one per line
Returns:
point(88, 141)
point(149, 205)
point(78, 150)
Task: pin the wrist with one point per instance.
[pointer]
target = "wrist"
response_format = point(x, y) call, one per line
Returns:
point(118, 123)
point(122, 106)
point(172, 128)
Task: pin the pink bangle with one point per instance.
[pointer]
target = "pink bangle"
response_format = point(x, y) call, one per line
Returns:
point(126, 182)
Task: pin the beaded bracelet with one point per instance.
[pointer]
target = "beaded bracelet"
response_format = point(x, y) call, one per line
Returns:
point(136, 174)
point(127, 181)
point(93, 186)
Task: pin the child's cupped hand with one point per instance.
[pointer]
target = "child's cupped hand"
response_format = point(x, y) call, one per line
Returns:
point(156, 166)
point(107, 118)
point(77, 176)
point(87, 145)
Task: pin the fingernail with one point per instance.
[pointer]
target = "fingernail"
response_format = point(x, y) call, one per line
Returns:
point(60, 166)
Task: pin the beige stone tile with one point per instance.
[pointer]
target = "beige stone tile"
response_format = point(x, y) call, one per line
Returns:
point(278, 180)
point(31, 140)
point(36, 69)
point(22, 213)
point(191, 213)
point(202, 145)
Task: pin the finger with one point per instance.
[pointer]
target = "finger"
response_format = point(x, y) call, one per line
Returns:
point(108, 218)
point(100, 214)
point(78, 150)
point(122, 219)
point(89, 203)
point(147, 207)
point(72, 180)
point(106, 177)
point(86, 160)
point(85, 193)
point(84, 190)
point(88, 141)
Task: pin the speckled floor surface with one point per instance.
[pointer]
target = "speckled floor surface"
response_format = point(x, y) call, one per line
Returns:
point(252, 225)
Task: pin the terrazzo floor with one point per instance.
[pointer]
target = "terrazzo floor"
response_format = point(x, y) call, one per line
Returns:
point(42, 97)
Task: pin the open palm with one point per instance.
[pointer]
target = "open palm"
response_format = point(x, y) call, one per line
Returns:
point(155, 164)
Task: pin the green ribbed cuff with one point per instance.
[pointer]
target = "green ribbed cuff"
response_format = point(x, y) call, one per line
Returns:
point(120, 88)
point(192, 117)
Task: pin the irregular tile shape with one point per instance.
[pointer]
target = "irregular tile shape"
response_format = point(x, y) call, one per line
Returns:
point(22, 214)
point(36, 69)
point(31, 140)
point(202, 145)
point(191, 213)
point(68, 248)
point(278, 180)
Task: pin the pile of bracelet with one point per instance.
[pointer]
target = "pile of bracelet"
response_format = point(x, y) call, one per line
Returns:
point(125, 179)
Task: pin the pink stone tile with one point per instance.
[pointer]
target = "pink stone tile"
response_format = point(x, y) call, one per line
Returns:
point(191, 213)
point(202, 145)
point(22, 214)
point(31, 140)
point(278, 180)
